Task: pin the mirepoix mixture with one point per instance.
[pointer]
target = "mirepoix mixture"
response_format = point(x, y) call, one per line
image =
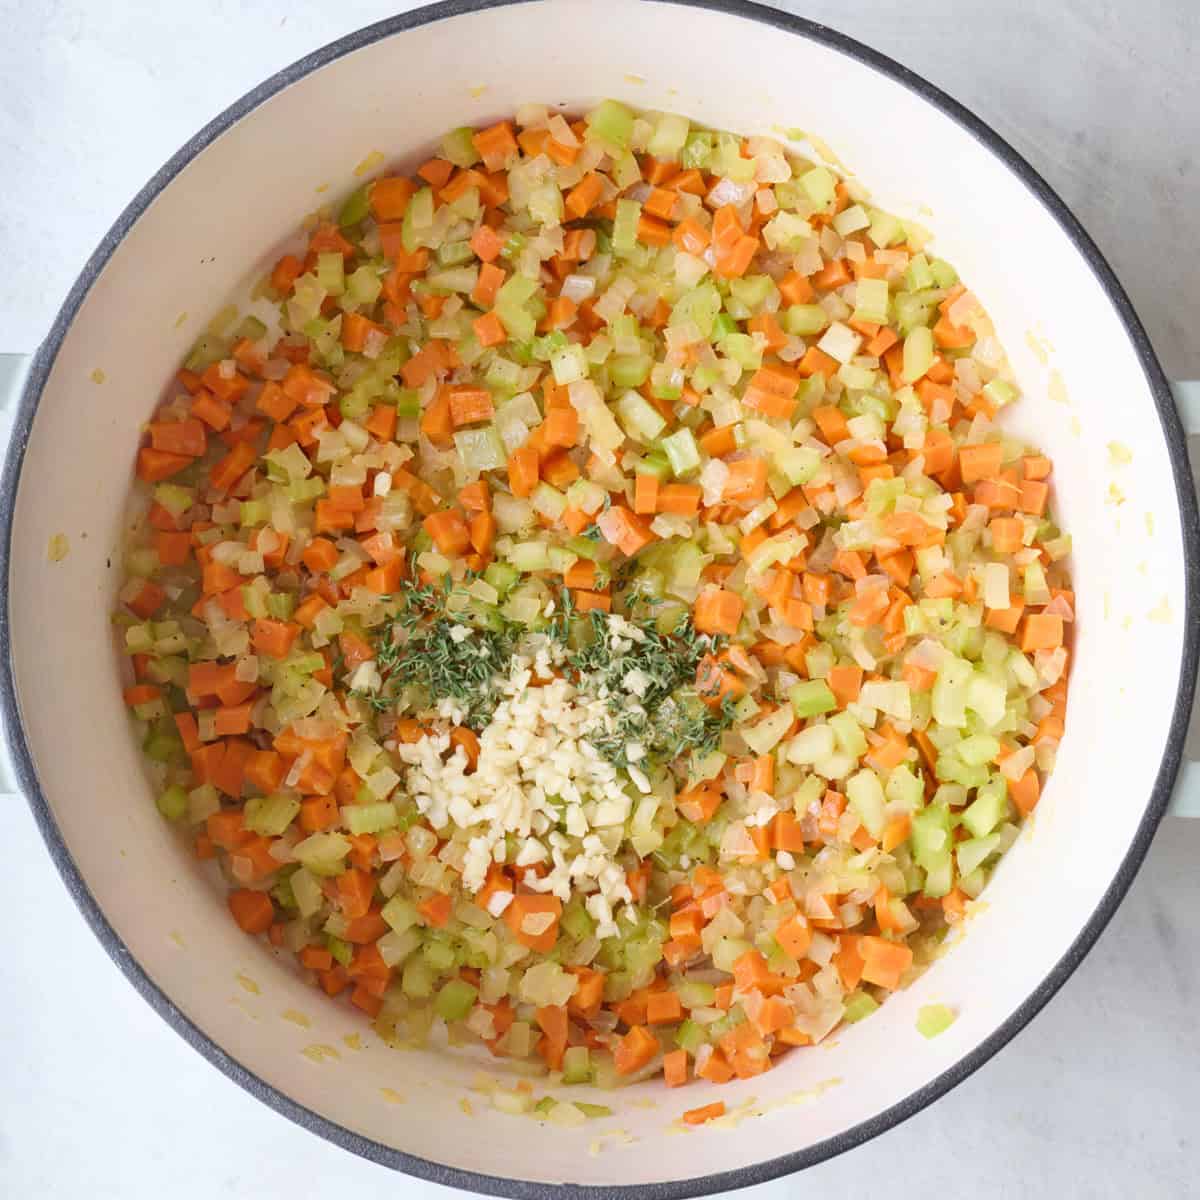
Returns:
point(594, 605)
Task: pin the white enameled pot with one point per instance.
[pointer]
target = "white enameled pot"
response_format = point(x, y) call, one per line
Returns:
point(211, 220)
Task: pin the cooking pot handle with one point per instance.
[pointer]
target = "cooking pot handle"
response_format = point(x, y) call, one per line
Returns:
point(13, 370)
point(1185, 800)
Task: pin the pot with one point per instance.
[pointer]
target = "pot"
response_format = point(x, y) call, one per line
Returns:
point(211, 221)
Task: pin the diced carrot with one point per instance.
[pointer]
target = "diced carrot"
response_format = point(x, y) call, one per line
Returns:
point(489, 330)
point(273, 638)
point(253, 911)
point(285, 273)
point(817, 362)
point(883, 961)
point(833, 275)
point(486, 244)
point(681, 499)
point(496, 145)
point(1026, 792)
point(449, 532)
point(153, 466)
point(470, 405)
point(718, 611)
point(747, 480)
point(624, 529)
point(532, 908)
point(583, 197)
point(675, 1068)
point(1043, 631)
point(662, 1008)
point(634, 1050)
point(523, 470)
point(645, 494)
point(389, 197)
point(980, 461)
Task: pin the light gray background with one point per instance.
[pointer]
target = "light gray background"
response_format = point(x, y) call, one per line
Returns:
point(1097, 1099)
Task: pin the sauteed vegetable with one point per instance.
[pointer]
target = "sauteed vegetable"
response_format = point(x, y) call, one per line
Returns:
point(593, 603)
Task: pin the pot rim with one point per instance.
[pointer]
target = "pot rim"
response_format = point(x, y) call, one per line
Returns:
point(26, 408)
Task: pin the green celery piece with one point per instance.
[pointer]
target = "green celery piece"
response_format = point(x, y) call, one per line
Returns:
point(355, 207)
point(933, 1019)
point(455, 1000)
point(859, 1005)
point(173, 803)
point(611, 122)
point(811, 697)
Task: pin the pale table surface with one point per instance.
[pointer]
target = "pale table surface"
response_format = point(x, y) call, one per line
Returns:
point(1098, 1098)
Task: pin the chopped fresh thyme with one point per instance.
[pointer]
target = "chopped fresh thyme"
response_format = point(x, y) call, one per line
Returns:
point(424, 646)
point(648, 680)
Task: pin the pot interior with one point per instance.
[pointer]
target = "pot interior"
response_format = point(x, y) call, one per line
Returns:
point(218, 222)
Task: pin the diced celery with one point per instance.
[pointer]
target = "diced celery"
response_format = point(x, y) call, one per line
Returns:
point(439, 955)
point(987, 697)
point(871, 301)
point(459, 148)
point(1000, 392)
point(904, 787)
point(939, 876)
point(323, 853)
point(804, 320)
point(363, 286)
point(331, 273)
point(569, 364)
point(501, 576)
point(529, 556)
point(933, 1019)
point(917, 275)
point(885, 229)
point(743, 349)
point(728, 950)
point(850, 737)
point(864, 793)
point(811, 697)
point(355, 207)
point(624, 235)
point(669, 137)
point(944, 275)
point(480, 449)
point(974, 851)
point(173, 803)
point(819, 184)
point(950, 692)
point(989, 807)
point(400, 914)
point(417, 980)
point(918, 353)
point(697, 150)
point(343, 952)
point(858, 1006)
point(612, 123)
point(455, 1000)
point(577, 1065)
point(593, 1110)
point(682, 451)
point(640, 419)
point(370, 818)
point(175, 499)
point(696, 994)
point(930, 834)
point(690, 1036)
point(270, 815)
point(798, 464)
point(418, 219)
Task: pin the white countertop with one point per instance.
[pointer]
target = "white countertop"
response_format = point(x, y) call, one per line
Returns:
point(1098, 1098)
